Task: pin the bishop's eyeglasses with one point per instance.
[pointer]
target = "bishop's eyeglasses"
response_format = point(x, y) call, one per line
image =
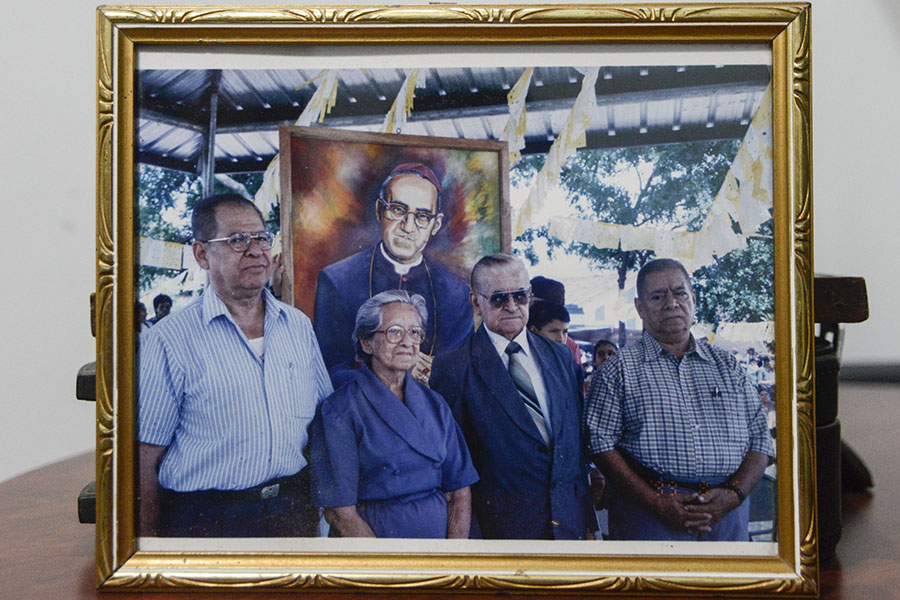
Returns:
point(397, 211)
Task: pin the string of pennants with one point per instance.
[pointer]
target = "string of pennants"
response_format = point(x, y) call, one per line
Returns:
point(166, 255)
point(745, 196)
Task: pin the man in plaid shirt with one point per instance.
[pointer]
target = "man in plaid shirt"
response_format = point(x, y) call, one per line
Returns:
point(675, 424)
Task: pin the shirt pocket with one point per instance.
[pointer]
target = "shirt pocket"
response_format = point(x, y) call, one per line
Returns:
point(293, 384)
point(729, 423)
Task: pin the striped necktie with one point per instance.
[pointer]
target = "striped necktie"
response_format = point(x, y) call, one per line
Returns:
point(526, 388)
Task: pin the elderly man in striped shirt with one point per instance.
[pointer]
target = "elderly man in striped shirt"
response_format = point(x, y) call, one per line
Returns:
point(228, 387)
point(675, 424)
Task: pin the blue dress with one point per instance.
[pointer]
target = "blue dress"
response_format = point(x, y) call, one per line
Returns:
point(394, 460)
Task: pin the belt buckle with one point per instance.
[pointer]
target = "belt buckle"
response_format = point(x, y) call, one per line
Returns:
point(664, 487)
point(270, 491)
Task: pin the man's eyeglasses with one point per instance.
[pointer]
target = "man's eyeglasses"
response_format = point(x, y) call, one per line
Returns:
point(499, 299)
point(395, 211)
point(395, 333)
point(240, 242)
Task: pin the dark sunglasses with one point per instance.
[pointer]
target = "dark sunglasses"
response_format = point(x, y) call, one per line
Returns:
point(499, 299)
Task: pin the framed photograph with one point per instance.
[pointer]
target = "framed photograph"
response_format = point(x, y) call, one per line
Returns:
point(586, 139)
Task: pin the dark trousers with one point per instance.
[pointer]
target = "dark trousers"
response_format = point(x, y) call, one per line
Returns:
point(242, 513)
point(628, 520)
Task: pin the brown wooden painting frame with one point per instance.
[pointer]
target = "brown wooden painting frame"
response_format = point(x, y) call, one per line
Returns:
point(394, 149)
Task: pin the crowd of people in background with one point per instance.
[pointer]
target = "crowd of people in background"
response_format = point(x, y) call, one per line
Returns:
point(761, 371)
point(760, 368)
point(162, 306)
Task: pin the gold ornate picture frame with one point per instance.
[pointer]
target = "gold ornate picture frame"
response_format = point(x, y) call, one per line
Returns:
point(240, 35)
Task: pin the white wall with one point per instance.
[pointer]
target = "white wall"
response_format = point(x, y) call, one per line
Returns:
point(856, 161)
point(47, 162)
point(47, 165)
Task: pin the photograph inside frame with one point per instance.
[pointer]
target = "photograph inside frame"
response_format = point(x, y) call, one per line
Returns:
point(409, 429)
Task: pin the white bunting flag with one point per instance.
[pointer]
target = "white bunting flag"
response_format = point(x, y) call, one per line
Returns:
point(514, 131)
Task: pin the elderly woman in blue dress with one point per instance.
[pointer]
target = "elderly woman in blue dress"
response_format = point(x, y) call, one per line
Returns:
point(387, 457)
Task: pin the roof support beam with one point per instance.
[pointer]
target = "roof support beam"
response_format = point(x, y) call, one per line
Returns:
point(208, 147)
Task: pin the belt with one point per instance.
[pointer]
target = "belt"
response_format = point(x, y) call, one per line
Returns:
point(264, 491)
point(411, 497)
point(664, 484)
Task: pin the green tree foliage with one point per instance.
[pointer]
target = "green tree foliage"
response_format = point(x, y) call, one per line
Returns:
point(671, 187)
point(250, 181)
point(159, 194)
point(739, 286)
point(676, 183)
point(165, 198)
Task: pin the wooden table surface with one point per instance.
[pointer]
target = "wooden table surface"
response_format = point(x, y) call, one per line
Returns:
point(867, 564)
point(46, 553)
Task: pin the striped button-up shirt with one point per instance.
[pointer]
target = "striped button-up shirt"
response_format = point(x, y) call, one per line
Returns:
point(230, 418)
point(690, 420)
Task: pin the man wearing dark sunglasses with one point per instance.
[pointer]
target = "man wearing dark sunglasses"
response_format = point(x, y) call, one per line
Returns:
point(517, 397)
point(228, 387)
point(408, 210)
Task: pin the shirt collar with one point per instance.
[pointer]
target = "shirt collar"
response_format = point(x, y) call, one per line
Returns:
point(213, 306)
point(653, 350)
point(399, 267)
point(701, 350)
point(500, 342)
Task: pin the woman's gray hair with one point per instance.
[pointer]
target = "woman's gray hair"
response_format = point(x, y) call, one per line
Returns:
point(368, 317)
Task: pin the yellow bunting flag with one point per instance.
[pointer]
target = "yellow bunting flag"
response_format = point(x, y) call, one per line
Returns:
point(514, 131)
point(570, 138)
point(403, 103)
point(319, 105)
point(324, 98)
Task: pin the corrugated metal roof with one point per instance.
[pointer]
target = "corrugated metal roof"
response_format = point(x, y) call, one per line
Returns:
point(635, 106)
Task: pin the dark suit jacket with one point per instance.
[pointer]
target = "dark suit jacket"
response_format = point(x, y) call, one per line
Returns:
point(527, 490)
point(343, 286)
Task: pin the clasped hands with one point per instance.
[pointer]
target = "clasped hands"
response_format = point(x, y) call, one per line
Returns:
point(422, 371)
point(696, 512)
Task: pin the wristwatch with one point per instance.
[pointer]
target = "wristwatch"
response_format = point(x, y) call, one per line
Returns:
point(730, 485)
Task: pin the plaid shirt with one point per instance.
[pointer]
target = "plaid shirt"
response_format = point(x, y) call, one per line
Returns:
point(693, 420)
